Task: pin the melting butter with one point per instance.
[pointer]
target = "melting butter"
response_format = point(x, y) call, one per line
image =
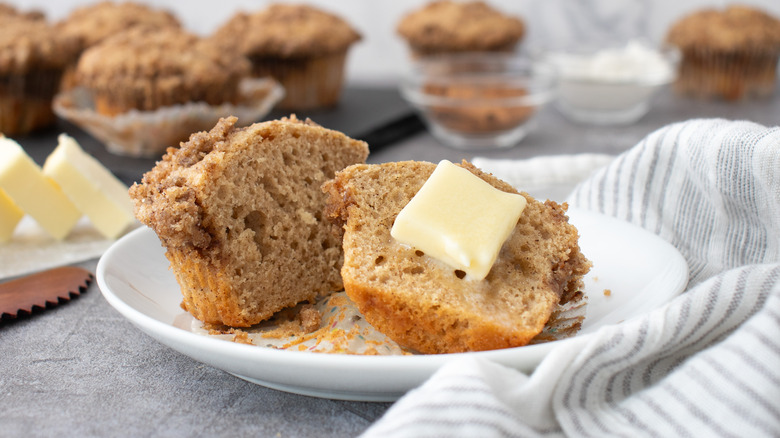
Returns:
point(459, 219)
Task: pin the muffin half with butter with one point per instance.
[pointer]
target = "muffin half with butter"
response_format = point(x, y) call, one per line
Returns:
point(447, 258)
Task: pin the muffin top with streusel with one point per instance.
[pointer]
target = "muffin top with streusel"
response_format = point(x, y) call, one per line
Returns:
point(93, 23)
point(734, 28)
point(31, 43)
point(162, 61)
point(445, 26)
point(286, 31)
point(8, 11)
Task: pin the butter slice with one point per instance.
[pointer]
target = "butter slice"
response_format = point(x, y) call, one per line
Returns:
point(10, 215)
point(459, 219)
point(36, 194)
point(91, 187)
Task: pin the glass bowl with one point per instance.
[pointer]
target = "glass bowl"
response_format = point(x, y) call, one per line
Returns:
point(478, 101)
point(613, 85)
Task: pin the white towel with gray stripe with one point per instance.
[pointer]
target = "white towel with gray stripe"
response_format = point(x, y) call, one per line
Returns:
point(705, 364)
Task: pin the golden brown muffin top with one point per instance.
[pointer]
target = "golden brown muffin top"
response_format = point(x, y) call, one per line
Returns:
point(177, 219)
point(93, 23)
point(164, 55)
point(27, 44)
point(459, 26)
point(287, 31)
point(734, 28)
point(8, 11)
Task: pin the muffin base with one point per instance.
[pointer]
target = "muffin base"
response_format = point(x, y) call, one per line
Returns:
point(309, 83)
point(732, 75)
point(19, 116)
point(127, 96)
point(207, 295)
point(25, 101)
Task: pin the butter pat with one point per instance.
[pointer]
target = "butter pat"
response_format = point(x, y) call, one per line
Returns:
point(10, 215)
point(91, 187)
point(36, 194)
point(459, 219)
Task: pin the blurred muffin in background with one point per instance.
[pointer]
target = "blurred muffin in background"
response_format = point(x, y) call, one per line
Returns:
point(302, 47)
point(144, 90)
point(93, 23)
point(730, 53)
point(33, 57)
point(8, 11)
point(447, 26)
point(145, 69)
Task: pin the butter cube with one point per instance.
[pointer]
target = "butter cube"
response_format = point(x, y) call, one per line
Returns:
point(459, 219)
point(10, 215)
point(91, 187)
point(36, 194)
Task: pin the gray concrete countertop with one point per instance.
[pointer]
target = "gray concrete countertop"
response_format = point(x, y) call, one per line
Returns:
point(81, 369)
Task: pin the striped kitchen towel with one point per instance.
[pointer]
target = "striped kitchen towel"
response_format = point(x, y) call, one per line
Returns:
point(706, 364)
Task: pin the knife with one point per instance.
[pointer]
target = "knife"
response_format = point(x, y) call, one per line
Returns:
point(42, 290)
point(393, 131)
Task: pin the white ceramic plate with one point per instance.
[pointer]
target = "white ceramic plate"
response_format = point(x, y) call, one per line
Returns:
point(641, 270)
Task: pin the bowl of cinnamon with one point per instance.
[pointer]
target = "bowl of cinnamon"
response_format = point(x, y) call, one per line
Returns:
point(478, 100)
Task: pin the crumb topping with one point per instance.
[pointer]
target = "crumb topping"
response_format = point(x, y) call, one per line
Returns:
point(735, 27)
point(8, 11)
point(161, 54)
point(287, 31)
point(94, 23)
point(449, 25)
point(160, 67)
point(162, 200)
point(33, 43)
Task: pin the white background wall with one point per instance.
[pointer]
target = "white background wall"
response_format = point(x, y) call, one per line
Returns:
point(381, 56)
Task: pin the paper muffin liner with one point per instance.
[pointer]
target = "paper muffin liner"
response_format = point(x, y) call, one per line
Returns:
point(26, 101)
point(150, 133)
point(193, 276)
point(731, 75)
point(309, 83)
point(344, 330)
point(565, 321)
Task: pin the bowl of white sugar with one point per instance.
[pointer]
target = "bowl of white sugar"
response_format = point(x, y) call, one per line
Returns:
point(612, 85)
